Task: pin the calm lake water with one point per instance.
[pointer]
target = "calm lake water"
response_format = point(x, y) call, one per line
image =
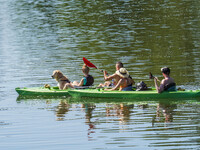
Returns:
point(39, 36)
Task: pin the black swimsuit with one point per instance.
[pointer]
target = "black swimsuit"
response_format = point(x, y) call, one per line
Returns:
point(170, 87)
point(88, 80)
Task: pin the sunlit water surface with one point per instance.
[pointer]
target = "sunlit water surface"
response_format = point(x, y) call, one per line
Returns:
point(39, 36)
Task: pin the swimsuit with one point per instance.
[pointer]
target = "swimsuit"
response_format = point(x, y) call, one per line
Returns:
point(88, 80)
point(128, 87)
point(170, 87)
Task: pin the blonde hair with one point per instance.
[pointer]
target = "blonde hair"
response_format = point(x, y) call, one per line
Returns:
point(85, 69)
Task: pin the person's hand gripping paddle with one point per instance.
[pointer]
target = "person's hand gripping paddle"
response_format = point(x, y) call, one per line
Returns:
point(152, 77)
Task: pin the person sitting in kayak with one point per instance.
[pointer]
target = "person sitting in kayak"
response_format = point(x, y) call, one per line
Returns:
point(115, 77)
point(87, 80)
point(167, 84)
point(125, 81)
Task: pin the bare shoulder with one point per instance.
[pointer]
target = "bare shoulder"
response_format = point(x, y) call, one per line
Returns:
point(167, 81)
point(163, 81)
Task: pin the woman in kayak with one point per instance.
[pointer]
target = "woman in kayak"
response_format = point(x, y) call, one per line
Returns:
point(125, 81)
point(114, 77)
point(167, 84)
point(87, 80)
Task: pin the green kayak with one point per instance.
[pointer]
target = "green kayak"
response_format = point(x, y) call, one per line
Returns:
point(151, 93)
point(41, 91)
point(101, 93)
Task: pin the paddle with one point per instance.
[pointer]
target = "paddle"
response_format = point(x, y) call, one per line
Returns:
point(151, 76)
point(89, 64)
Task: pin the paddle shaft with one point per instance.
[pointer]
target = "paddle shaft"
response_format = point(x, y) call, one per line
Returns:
point(99, 69)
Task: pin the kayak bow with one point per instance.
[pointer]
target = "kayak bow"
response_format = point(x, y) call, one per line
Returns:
point(41, 91)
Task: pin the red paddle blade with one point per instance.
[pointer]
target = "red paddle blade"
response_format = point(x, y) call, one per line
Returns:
point(88, 63)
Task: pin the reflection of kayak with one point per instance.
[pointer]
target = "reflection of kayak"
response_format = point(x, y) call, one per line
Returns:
point(100, 93)
point(41, 91)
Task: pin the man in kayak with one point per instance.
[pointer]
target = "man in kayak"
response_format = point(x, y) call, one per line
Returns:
point(124, 83)
point(87, 80)
point(115, 77)
point(167, 84)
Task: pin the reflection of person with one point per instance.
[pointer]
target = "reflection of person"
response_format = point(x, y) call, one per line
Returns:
point(167, 111)
point(63, 108)
point(88, 111)
point(88, 115)
point(122, 111)
point(167, 84)
point(125, 81)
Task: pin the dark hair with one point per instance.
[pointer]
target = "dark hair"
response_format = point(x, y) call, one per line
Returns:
point(165, 70)
point(120, 64)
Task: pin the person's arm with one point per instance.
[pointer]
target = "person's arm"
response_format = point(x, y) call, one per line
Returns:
point(81, 82)
point(108, 78)
point(159, 88)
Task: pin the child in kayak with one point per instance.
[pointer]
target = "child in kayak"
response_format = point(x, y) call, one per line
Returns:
point(125, 81)
point(167, 84)
point(115, 77)
point(87, 80)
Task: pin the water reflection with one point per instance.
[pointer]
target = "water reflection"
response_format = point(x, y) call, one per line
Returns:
point(62, 110)
point(121, 123)
point(89, 108)
point(164, 113)
point(122, 111)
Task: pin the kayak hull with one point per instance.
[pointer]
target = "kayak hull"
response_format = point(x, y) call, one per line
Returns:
point(99, 93)
point(41, 91)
